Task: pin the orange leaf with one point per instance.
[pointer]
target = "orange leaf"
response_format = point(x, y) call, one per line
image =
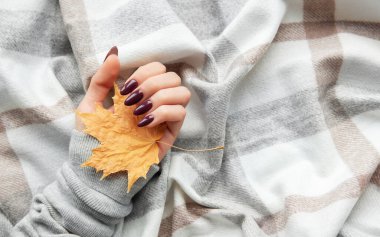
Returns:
point(123, 145)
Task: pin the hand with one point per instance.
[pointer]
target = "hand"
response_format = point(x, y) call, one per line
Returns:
point(158, 95)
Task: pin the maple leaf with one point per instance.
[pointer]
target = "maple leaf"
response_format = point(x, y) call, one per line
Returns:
point(123, 145)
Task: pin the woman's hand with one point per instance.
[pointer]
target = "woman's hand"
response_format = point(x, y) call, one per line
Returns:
point(158, 95)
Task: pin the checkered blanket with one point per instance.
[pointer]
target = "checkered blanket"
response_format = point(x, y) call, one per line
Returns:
point(290, 88)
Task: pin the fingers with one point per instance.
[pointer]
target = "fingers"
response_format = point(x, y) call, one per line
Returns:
point(174, 116)
point(153, 85)
point(142, 74)
point(164, 113)
point(157, 93)
point(170, 96)
point(101, 83)
point(161, 96)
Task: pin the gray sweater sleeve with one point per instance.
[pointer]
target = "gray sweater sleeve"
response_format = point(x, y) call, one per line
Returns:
point(78, 203)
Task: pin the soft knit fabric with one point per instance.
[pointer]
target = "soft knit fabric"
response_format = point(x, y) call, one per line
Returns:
point(289, 87)
point(78, 202)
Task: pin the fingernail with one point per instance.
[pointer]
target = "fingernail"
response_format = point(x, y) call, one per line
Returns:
point(113, 50)
point(134, 98)
point(143, 108)
point(129, 87)
point(145, 121)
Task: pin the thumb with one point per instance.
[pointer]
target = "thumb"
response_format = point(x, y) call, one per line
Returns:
point(102, 82)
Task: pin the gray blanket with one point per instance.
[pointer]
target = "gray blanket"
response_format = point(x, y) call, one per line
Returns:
point(290, 88)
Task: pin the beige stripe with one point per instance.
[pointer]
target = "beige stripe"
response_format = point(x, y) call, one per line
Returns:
point(181, 217)
point(327, 57)
point(355, 150)
point(351, 188)
point(367, 29)
point(315, 30)
point(296, 31)
point(290, 32)
point(79, 32)
point(319, 10)
point(353, 147)
point(40, 114)
point(15, 196)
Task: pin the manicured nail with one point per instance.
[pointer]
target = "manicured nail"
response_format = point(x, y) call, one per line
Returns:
point(146, 120)
point(134, 98)
point(143, 108)
point(113, 50)
point(129, 87)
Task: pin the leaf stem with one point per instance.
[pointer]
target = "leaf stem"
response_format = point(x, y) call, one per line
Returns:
point(193, 150)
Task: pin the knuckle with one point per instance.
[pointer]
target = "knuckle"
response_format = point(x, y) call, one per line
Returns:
point(151, 85)
point(150, 69)
point(174, 77)
point(142, 72)
point(158, 66)
point(159, 96)
point(164, 112)
point(172, 74)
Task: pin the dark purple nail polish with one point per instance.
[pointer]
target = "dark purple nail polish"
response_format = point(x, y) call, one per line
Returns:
point(134, 98)
point(113, 50)
point(146, 120)
point(143, 108)
point(129, 87)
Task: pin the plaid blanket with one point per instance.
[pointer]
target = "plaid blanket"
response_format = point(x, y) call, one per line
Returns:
point(290, 88)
